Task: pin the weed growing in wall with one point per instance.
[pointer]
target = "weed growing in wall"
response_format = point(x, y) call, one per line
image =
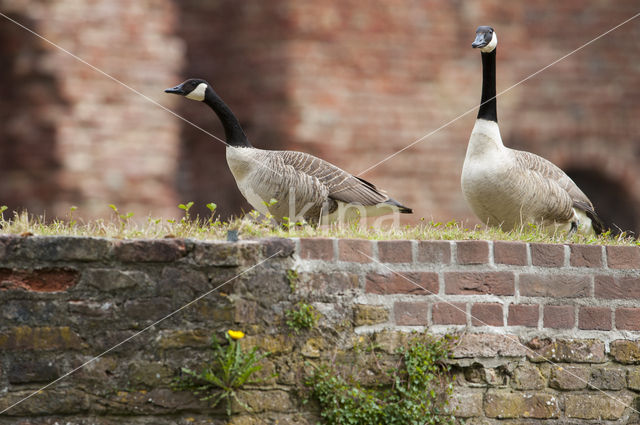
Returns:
point(414, 392)
point(304, 316)
point(230, 369)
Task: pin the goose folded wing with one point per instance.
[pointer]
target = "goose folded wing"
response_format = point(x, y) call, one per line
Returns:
point(341, 185)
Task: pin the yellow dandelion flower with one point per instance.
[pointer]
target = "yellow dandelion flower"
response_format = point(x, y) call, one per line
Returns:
point(236, 334)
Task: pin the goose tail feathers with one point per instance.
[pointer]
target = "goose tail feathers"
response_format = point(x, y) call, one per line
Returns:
point(401, 208)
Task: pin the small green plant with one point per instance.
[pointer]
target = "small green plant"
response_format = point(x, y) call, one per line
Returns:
point(415, 392)
point(186, 209)
point(303, 317)
point(3, 208)
point(292, 277)
point(122, 218)
point(224, 377)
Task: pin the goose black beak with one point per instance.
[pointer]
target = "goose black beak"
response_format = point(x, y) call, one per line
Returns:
point(175, 90)
point(480, 41)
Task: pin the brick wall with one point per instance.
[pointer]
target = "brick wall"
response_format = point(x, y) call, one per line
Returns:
point(547, 333)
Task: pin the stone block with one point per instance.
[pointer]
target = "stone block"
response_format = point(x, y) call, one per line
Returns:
point(226, 254)
point(502, 404)
point(472, 252)
point(569, 377)
point(566, 350)
point(113, 280)
point(547, 255)
point(466, 403)
point(608, 378)
point(488, 345)
point(633, 379)
point(43, 338)
point(317, 249)
point(364, 315)
point(30, 369)
point(39, 280)
point(150, 250)
point(332, 283)
point(58, 248)
point(395, 252)
point(626, 352)
point(512, 253)
point(415, 283)
point(411, 313)
point(434, 252)
point(355, 250)
point(527, 377)
point(554, 285)
point(596, 406)
point(474, 283)
point(194, 338)
point(585, 256)
point(277, 247)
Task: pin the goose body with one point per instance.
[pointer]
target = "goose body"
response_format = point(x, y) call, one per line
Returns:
point(302, 185)
point(509, 188)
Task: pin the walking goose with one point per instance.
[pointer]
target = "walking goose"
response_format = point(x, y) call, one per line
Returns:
point(508, 188)
point(303, 186)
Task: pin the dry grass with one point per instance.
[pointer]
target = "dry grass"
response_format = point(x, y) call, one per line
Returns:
point(253, 226)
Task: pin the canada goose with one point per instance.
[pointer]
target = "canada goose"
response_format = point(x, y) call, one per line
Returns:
point(303, 185)
point(507, 187)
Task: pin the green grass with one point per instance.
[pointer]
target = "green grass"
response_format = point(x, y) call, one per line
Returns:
point(253, 226)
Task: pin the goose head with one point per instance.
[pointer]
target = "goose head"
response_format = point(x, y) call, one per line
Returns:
point(194, 88)
point(486, 39)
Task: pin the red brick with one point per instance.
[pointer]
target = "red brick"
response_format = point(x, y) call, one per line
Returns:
point(395, 252)
point(316, 249)
point(472, 252)
point(418, 283)
point(554, 285)
point(623, 257)
point(355, 250)
point(523, 315)
point(628, 318)
point(449, 314)
point(462, 283)
point(586, 256)
point(598, 318)
point(436, 252)
point(487, 314)
point(45, 280)
point(558, 316)
point(513, 253)
point(411, 313)
point(619, 287)
point(152, 250)
point(547, 255)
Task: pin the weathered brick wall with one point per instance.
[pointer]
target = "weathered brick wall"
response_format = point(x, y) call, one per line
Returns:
point(547, 333)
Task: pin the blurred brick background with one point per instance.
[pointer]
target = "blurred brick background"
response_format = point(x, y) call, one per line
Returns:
point(351, 82)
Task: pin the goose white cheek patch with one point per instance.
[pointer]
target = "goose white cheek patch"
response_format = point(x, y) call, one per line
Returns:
point(492, 44)
point(198, 92)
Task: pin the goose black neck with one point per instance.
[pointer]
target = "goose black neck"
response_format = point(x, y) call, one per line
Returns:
point(488, 102)
point(233, 132)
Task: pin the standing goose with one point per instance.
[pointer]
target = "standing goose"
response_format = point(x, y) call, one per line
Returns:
point(508, 188)
point(303, 186)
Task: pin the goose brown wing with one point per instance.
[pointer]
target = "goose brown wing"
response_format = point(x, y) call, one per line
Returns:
point(550, 171)
point(341, 185)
